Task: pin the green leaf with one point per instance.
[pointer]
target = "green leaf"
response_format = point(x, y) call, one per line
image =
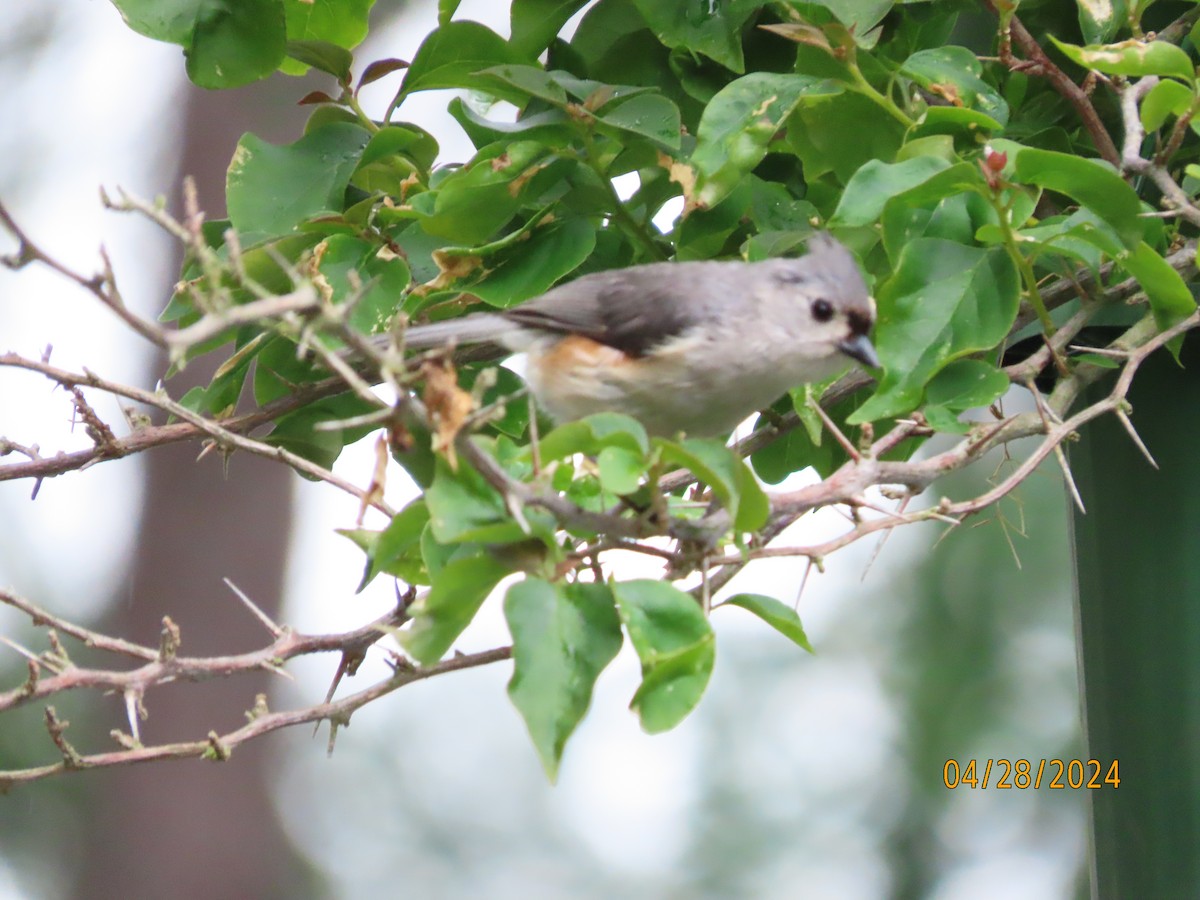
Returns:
point(592, 434)
point(563, 637)
point(957, 69)
point(535, 23)
point(726, 473)
point(594, 94)
point(1082, 236)
point(620, 469)
point(550, 253)
point(800, 448)
point(705, 232)
point(172, 23)
point(469, 205)
point(860, 16)
point(553, 127)
point(297, 431)
point(401, 542)
point(937, 207)
point(1095, 359)
point(615, 45)
point(934, 26)
point(446, 11)
point(1099, 20)
point(458, 591)
point(651, 116)
point(366, 540)
point(221, 395)
point(323, 56)
point(339, 22)
point(971, 123)
point(1132, 58)
point(228, 43)
point(774, 208)
point(243, 43)
point(944, 301)
point(674, 642)
point(464, 507)
point(963, 384)
point(1167, 98)
point(519, 84)
point(939, 145)
point(877, 182)
point(966, 384)
point(278, 369)
point(792, 451)
point(778, 615)
point(714, 29)
point(398, 550)
point(380, 282)
point(1089, 182)
point(1170, 299)
point(452, 55)
point(672, 687)
point(826, 131)
point(270, 190)
point(514, 419)
point(739, 123)
point(392, 154)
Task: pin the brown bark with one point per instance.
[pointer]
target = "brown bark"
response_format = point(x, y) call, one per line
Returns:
point(206, 830)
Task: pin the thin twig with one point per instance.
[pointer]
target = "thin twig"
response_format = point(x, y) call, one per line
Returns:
point(102, 287)
point(223, 436)
point(1037, 62)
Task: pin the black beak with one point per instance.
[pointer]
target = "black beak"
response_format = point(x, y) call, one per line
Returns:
point(860, 348)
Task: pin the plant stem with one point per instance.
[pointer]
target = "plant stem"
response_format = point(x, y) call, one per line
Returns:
point(864, 87)
point(1004, 213)
point(352, 103)
point(635, 229)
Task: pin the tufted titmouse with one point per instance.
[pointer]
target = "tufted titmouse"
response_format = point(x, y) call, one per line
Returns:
point(692, 347)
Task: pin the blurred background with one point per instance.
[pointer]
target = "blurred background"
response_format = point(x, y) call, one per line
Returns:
point(798, 776)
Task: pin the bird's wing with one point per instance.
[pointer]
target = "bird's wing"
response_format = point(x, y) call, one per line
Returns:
point(633, 310)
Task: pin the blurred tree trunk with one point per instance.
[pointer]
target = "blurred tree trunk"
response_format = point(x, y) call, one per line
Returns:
point(198, 829)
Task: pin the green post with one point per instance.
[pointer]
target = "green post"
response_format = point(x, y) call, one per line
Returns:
point(1137, 565)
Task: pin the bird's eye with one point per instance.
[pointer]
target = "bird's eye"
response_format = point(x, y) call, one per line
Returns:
point(822, 310)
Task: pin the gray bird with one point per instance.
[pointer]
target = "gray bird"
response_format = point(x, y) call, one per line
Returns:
point(692, 347)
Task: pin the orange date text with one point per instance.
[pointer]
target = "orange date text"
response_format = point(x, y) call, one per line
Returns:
point(1022, 774)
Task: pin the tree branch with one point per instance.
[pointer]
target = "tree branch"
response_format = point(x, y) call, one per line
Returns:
point(103, 286)
point(1036, 62)
point(159, 668)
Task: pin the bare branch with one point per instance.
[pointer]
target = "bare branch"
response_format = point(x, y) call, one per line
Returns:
point(219, 747)
point(1175, 199)
point(222, 435)
point(103, 287)
point(268, 309)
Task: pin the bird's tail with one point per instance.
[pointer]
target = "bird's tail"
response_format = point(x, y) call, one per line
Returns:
point(478, 328)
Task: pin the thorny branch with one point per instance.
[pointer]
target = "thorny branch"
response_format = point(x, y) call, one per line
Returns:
point(102, 286)
point(144, 437)
point(685, 545)
point(163, 665)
